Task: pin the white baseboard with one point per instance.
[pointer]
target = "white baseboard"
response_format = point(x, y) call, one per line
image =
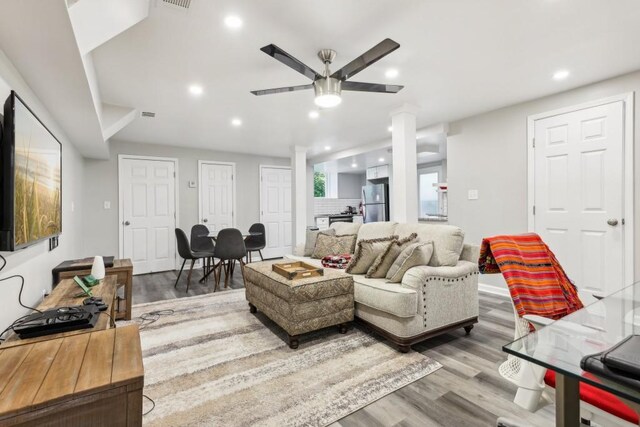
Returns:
point(495, 290)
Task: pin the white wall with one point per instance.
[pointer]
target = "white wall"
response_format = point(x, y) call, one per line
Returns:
point(35, 262)
point(488, 152)
point(101, 184)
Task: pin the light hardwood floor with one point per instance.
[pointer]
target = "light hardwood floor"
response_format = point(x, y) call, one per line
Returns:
point(467, 391)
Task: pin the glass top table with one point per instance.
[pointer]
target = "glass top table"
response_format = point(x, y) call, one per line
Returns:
point(561, 345)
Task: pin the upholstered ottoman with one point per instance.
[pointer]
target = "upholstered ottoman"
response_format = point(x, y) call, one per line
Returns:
point(301, 305)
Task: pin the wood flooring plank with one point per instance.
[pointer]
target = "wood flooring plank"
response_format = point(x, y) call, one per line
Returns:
point(62, 377)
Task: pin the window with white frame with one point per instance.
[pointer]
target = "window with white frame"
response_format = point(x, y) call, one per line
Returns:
point(430, 198)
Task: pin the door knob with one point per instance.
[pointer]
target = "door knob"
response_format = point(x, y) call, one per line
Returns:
point(127, 223)
point(612, 222)
point(205, 220)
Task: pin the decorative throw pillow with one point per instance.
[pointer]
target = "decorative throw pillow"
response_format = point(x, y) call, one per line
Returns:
point(384, 261)
point(413, 255)
point(366, 253)
point(312, 236)
point(336, 261)
point(333, 245)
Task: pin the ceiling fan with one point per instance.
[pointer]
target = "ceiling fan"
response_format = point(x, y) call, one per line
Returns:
point(328, 86)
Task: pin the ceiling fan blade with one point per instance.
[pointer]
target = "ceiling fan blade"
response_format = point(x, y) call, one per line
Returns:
point(371, 87)
point(281, 90)
point(290, 61)
point(377, 52)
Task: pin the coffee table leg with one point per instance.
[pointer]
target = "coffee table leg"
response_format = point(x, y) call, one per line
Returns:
point(252, 308)
point(343, 327)
point(293, 341)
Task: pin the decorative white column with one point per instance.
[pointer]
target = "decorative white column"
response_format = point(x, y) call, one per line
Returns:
point(299, 193)
point(404, 183)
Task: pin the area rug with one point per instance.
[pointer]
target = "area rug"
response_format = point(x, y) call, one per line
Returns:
point(212, 363)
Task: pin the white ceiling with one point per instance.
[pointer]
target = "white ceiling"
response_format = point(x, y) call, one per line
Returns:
point(457, 58)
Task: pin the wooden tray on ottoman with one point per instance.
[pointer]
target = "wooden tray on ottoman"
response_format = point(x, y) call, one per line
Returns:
point(297, 270)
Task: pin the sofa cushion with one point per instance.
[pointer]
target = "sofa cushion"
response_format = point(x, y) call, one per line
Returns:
point(312, 237)
point(345, 227)
point(447, 241)
point(384, 261)
point(333, 245)
point(366, 253)
point(391, 298)
point(375, 230)
point(413, 255)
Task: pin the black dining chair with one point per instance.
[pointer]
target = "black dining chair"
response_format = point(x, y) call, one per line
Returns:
point(229, 249)
point(184, 249)
point(256, 242)
point(200, 242)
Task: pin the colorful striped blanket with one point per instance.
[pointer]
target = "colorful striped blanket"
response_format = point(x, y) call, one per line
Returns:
point(537, 283)
point(336, 261)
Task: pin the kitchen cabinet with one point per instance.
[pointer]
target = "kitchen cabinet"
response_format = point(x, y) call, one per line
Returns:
point(378, 172)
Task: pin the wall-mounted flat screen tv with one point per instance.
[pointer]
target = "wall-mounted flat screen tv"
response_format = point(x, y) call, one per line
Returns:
point(30, 178)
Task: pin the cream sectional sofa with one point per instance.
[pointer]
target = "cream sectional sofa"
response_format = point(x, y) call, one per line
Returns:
point(431, 300)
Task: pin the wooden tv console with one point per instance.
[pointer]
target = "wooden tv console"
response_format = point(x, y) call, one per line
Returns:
point(88, 379)
point(122, 269)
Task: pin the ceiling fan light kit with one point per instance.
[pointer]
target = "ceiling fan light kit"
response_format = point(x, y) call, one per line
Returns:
point(327, 92)
point(328, 87)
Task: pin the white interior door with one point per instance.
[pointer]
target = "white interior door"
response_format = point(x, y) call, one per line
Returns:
point(147, 195)
point(578, 192)
point(217, 195)
point(275, 188)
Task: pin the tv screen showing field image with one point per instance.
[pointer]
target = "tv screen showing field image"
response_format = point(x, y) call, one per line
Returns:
point(37, 179)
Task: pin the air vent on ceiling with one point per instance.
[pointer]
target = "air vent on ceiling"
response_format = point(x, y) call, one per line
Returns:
point(147, 114)
point(178, 3)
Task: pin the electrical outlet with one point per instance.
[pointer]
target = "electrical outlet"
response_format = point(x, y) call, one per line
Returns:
point(472, 195)
point(107, 204)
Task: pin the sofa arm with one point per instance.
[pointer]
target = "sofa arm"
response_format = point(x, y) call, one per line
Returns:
point(446, 295)
point(299, 250)
point(416, 277)
point(470, 253)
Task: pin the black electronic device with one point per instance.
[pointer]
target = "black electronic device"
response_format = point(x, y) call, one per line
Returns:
point(56, 320)
point(97, 301)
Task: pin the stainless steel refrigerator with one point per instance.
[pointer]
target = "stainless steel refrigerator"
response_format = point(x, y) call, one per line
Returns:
point(375, 200)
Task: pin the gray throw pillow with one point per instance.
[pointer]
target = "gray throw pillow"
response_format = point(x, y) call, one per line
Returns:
point(312, 236)
point(413, 255)
point(366, 253)
point(333, 245)
point(384, 261)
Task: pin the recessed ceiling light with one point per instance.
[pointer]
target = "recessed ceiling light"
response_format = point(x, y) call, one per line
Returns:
point(354, 165)
point(236, 122)
point(381, 159)
point(327, 147)
point(196, 90)
point(313, 114)
point(391, 73)
point(390, 128)
point(233, 21)
point(560, 75)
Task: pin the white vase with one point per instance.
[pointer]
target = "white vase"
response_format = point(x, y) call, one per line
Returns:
point(97, 270)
